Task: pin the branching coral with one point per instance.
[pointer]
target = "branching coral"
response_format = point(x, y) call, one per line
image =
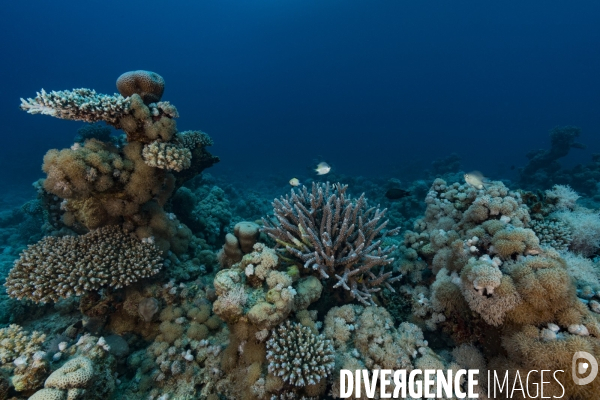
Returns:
point(103, 183)
point(69, 266)
point(338, 237)
point(78, 105)
point(167, 156)
point(299, 356)
point(16, 342)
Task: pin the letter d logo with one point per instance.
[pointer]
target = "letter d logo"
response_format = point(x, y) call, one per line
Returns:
point(582, 367)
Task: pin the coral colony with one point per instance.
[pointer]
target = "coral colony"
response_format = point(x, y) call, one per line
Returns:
point(148, 284)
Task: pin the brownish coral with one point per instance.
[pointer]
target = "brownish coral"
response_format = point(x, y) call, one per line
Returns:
point(102, 184)
point(56, 268)
point(149, 85)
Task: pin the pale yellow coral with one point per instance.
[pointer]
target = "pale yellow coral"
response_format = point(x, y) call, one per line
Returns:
point(75, 373)
point(167, 156)
point(16, 342)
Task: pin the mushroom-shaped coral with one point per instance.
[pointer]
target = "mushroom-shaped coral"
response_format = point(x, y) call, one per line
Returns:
point(247, 234)
point(149, 85)
point(299, 356)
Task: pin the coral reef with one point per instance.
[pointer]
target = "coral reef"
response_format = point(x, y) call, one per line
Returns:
point(335, 236)
point(145, 307)
point(584, 227)
point(104, 184)
point(494, 280)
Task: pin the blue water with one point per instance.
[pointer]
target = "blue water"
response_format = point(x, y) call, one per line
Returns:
point(370, 87)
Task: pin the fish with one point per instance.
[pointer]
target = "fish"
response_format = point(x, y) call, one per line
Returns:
point(322, 168)
point(294, 182)
point(396, 193)
point(476, 180)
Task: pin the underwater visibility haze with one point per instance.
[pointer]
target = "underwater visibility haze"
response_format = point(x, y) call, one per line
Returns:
point(244, 199)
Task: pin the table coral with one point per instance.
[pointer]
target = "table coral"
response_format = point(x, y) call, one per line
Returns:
point(59, 267)
point(78, 105)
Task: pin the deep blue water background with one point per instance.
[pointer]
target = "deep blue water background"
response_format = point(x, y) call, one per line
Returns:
point(372, 87)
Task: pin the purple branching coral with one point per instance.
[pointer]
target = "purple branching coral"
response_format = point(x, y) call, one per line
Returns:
point(330, 233)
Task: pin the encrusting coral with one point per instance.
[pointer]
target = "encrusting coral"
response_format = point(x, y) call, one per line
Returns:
point(58, 267)
point(341, 238)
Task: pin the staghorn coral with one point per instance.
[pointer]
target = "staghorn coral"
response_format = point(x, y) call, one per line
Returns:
point(299, 356)
point(78, 105)
point(167, 156)
point(149, 85)
point(56, 268)
point(326, 231)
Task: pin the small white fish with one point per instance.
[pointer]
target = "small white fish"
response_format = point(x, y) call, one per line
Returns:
point(475, 179)
point(322, 168)
point(294, 182)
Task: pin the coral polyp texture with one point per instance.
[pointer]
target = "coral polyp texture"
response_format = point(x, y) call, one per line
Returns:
point(299, 356)
point(78, 105)
point(59, 267)
point(167, 156)
point(339, 237)
point(15, 342)
point(149, 85)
